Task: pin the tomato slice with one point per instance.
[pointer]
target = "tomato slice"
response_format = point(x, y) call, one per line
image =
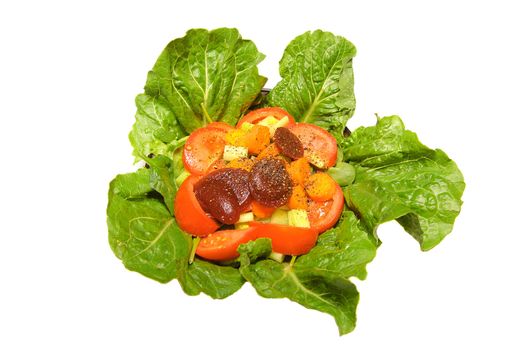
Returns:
point(188, 213)
point(261, 113)
point(319, 145)
point(220, 125)
point(324, 215)
point(203, 147)
point(222, 245)
point(286, 239)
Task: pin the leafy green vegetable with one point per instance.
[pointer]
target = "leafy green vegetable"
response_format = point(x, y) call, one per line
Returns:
point(254, 250)
point(399, 178)
point(207, 76)
point(318, 81)
point(156, 130)
point(333, 295)
point(216, 281)
point(319, 279)
point(162, 179)
point(343, 251)
point(343, 173)
point(142, 232)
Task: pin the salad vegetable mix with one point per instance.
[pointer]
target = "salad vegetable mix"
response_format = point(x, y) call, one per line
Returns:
point(271, 189)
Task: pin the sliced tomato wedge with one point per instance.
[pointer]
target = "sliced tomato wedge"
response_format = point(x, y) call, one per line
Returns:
point(220, 125)
point(324, 215)
point(261, 113)
point(320, 147)
point(203, 147)
point(222, 245)
point(286, 239)
point(188, 213)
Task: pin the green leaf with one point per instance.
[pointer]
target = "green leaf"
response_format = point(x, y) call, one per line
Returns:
point(162, 178)
point(386, 143)
point(343, 251)
point(333, 295)
point(318, 81)
point(207, 76)
point(254, 250)
point(216, 281)
point(343, 173)
point(399, 178)
point(156, 130)
point(142, 232)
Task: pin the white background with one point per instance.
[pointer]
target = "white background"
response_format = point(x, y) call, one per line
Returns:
point(69, 72)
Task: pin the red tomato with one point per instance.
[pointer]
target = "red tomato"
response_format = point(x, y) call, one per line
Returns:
point(203, 147)
point(220, 125)
point(261, 113)
point(222, 245)
point(286, 239)
point(324, 215)
point(318, 144)
point(188, 213)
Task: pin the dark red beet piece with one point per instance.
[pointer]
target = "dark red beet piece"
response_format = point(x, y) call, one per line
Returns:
point(224, 194)
point(288, 143)
point(270, 183)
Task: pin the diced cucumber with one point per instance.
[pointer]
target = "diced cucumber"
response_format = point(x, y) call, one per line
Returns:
point(241, 225)
point(280, 123)
point(298, 218)
point(279, 216)
point(276, 256)
point(268, 121)
point(246, 217)
point(246, 126)
point(179, 180)
point(233, 152)
point(316, 161)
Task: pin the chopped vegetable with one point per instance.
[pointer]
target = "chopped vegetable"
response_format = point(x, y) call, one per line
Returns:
point(257, 139)
point(241, 163)
point(299, 170)
point(298, 218)
point(298, 199)
point(320, 187)
point(234, 152)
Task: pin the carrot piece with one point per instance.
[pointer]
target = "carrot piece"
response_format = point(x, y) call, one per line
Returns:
point(262, 211)
point(298, 199)
point(299, 171)
point(257, 139)
point(271, 151)
point(320, 187)
point(241, 163)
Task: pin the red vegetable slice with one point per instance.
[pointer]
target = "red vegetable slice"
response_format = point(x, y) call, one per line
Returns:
point(286, 239)
point(222, 245)
point(258, 115)
point(319, 145)
point(203, 147)
point(324, 215)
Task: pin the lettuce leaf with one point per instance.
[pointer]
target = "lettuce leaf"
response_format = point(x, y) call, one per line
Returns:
point(318, 81)
point(207, 76)
point(142, 231)
point(398, 178)
point(144, 234)
point(318, 280)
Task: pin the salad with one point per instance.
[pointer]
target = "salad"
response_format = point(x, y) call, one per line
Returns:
point(272, 189)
